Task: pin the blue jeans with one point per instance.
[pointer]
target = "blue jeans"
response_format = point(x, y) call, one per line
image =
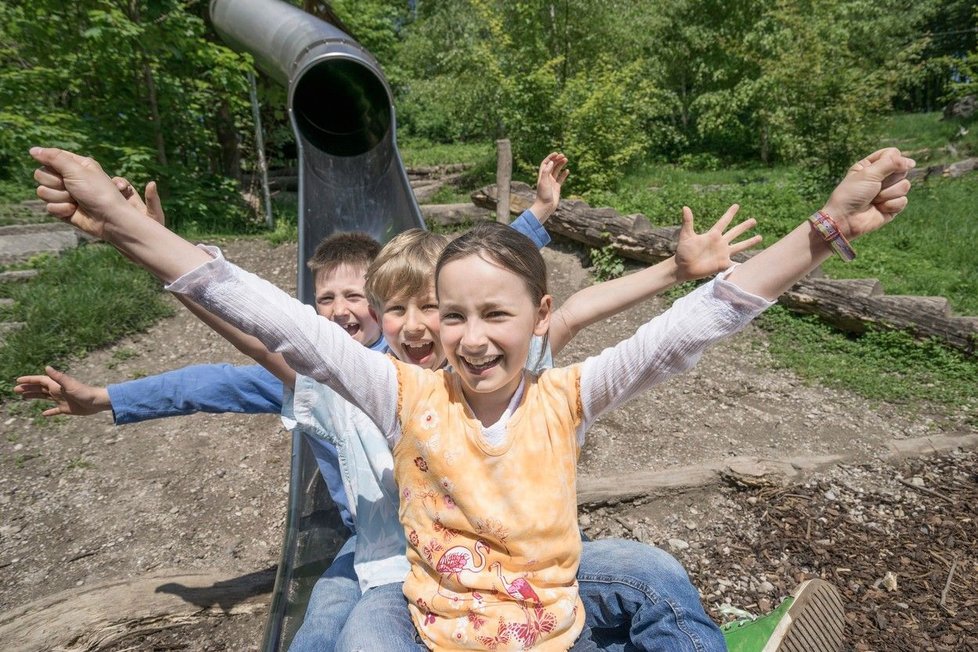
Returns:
point(381, 621)
point(638, 597)
point(332, 599)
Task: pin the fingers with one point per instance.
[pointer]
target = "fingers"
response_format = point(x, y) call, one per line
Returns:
point(892, 207)
point(740, 229)
point(52, 412)
point(553, 165)
point(890, 163)
point(737, 247)
point(33, 393)
point(59, 160)
point(56, 376)
point(153, 204)
point(898, 189)
point(726, 218)
point(52, 196)
point(48, 177)
point(687, 230)
point(559, 172)
point(62, 210)
point(125, 188)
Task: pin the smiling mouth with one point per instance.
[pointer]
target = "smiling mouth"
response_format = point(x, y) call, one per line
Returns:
point(419, 351)
point(352, 329)
point(480, 365)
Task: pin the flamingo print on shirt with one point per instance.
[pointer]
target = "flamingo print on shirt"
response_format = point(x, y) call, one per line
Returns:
point(458, 559)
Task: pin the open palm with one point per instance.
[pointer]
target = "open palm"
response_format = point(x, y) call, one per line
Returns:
point(705, 254)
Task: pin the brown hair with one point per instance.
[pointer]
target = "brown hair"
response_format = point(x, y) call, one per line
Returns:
point(404, 267)
point(355, 249)
point(505, 247)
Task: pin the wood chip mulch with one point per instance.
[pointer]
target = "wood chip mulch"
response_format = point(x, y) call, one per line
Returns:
point(899, 542)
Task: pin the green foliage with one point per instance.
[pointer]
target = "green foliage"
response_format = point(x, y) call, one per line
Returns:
point(612, 118)
point(417, 151)
point(606, 264)
point(888, 365)
point(659, 191)
point(135, 84)
point(87, 298)
point(928, 250)
point(760, 80)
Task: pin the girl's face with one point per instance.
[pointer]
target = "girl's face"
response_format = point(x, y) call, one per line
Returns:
point(487, 320)
point(410, 326)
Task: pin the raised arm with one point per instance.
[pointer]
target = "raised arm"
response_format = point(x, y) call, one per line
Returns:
point(870, 195)
point(78, 191)
point(274, 363)
point(697, 256)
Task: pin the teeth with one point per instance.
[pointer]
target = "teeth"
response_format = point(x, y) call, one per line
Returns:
point(419, 345)
point(481, 362)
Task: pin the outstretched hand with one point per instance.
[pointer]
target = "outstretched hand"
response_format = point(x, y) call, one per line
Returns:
point(70, 395)
point(873, 191)
point(550, 178)
point(152, 207)
point(76, 190)
point(699, 255)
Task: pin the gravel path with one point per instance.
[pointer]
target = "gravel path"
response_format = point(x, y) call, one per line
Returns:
point(83, 502)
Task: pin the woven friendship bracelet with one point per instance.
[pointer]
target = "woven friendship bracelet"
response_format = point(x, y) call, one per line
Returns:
point(829, 230)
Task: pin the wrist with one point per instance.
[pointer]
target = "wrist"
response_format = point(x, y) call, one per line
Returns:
point(674, 273)
point(541, 211)
point(101, 400)
point(840, 217)
point(833, 232)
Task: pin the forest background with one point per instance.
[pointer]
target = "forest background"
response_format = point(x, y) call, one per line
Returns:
point(698, 102)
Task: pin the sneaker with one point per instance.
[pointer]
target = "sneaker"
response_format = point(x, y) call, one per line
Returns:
point(811, 620)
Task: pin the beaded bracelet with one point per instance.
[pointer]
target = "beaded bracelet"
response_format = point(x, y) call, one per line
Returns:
point(830, 232)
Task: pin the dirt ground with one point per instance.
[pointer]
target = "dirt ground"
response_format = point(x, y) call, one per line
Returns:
point(89, 509)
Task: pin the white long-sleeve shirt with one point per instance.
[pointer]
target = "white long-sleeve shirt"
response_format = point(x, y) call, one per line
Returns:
point(667, 345)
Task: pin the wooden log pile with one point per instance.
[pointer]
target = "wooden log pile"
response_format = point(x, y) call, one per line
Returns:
point(850, 305)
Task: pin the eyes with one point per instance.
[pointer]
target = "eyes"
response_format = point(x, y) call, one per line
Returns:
point(489, 315)
point(398, 310)
point(353, 297)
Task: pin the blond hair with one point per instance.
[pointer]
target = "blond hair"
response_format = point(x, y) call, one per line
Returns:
point(405, 267)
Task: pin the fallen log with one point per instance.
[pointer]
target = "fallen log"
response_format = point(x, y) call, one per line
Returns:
point(853, 306)
point(102, 615)
point(454, 214)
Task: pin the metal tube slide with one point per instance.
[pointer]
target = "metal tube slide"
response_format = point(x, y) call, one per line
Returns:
point(350, 178)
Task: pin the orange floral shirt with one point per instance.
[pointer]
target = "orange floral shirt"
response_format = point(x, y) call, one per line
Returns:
point(493, 540)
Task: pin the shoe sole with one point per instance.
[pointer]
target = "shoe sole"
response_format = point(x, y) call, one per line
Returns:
point(815, 621)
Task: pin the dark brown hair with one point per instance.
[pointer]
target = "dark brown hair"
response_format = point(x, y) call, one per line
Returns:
point(355, 249)
point(505, 247)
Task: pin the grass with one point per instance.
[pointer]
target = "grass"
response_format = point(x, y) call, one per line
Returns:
point(659, 191)
point(926, 136)
point(884, 365)
point(88, 298)
point(422, 152)
point(930, 249)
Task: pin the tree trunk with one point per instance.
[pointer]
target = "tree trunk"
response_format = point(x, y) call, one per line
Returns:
point(229, 141)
